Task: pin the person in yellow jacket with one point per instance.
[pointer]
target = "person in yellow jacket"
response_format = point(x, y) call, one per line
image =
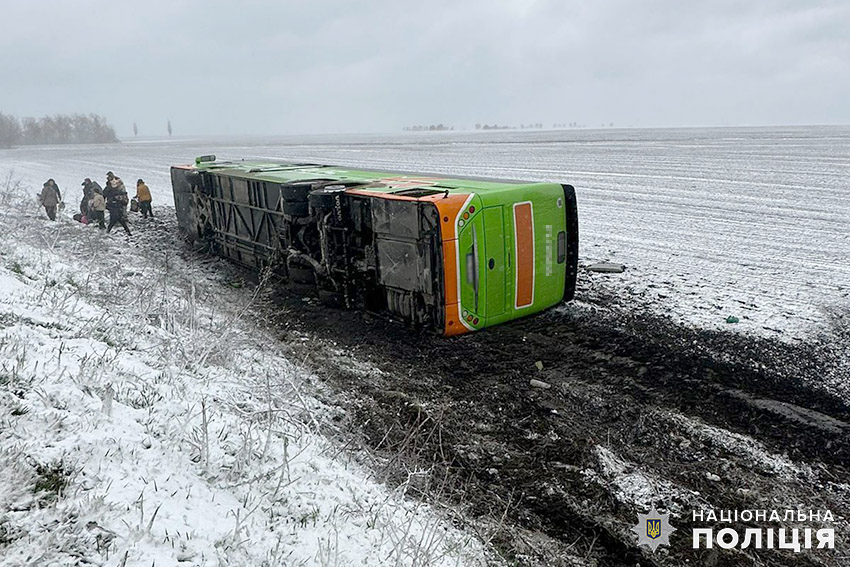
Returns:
point(143, 196)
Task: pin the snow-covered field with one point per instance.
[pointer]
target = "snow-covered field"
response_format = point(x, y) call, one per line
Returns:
point(146, 418)
point(750, 223)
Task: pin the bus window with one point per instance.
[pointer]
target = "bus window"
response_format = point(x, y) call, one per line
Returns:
point(472, 267)
point(471, 263)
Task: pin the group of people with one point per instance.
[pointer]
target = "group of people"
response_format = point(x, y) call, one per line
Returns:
point(97, 200)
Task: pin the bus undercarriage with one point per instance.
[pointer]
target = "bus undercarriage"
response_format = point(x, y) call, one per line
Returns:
point(357, 251)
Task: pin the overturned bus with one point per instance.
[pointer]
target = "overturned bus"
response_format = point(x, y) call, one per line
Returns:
point(455, 255)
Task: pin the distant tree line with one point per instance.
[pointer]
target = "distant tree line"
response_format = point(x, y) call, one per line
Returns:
point(430, 128)
point(57, 129)
point(562, 125)
point(493, 127)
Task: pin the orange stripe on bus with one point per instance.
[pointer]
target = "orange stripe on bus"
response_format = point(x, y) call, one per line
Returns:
point(524, 248)
point(450, 275)
point(453, 325)
point(449, 208)
point(379, 195)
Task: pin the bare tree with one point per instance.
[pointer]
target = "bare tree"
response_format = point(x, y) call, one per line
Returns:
point(10, 131)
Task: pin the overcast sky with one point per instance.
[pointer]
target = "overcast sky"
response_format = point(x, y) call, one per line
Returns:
point(292, 66)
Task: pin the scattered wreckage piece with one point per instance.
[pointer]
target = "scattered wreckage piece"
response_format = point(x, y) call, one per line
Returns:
point(606, 268)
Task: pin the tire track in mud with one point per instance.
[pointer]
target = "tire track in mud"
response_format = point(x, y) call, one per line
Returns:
point(638, 413)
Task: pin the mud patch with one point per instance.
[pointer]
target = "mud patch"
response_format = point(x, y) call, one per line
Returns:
point(640, 412)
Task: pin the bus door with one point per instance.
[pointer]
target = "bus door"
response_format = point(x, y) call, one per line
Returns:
point(494, 260)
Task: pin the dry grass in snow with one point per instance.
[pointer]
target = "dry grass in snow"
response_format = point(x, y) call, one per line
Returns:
point(145, 419)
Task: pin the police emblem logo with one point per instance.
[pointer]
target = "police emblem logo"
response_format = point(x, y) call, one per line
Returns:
point(653, 529)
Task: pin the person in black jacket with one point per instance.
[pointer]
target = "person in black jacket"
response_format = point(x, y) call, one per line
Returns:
point(89, 189)
point(85, 203)
point(116, 202)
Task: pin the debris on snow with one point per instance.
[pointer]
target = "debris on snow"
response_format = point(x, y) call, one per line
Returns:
point(607, 268)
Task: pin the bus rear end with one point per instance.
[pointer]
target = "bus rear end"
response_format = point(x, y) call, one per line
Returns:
point(513, 253)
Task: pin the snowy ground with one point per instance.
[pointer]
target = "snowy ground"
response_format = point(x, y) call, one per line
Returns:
point(145, 419)
point(750, 223)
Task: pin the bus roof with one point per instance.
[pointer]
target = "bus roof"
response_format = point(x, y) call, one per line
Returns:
point(283, 172)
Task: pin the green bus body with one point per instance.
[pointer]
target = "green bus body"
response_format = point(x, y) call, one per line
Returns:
point(448, 253)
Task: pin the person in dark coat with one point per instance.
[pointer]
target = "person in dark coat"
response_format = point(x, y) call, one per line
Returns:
point(89, 189)
point(85, 203)
point(52, 183)
point(116, 202)
point(50, 198)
